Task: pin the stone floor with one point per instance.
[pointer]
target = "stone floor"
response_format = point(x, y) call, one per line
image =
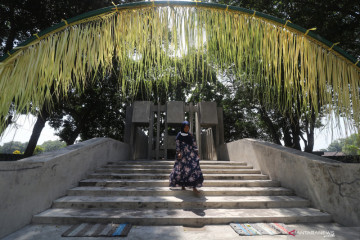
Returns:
point(209, 232)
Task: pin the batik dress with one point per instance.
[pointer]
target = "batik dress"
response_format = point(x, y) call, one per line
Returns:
point(186, 172)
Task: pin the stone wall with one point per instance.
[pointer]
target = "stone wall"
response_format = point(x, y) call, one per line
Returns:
point(29, 186)
point(330, 185)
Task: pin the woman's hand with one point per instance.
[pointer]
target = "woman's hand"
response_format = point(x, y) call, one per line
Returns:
point(179, 155)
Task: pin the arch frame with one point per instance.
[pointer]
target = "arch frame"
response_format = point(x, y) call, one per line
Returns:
point(99, 13)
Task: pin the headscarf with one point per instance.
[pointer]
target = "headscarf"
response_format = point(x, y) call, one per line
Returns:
point(183, 136)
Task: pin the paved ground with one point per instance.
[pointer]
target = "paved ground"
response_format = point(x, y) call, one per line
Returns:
point(209, 232)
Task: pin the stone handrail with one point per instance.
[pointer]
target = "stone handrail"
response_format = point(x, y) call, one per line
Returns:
point(330, 185)
point(29, 186)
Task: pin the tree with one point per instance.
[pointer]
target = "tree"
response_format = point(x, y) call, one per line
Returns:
point(97, 112)
point(336, 146)
point(337, 22)
point(352, 145)
point(10, 147)
point(22, 19)
point(340, 18)
point(49, 146)
point(349, 145)
point(39, 125)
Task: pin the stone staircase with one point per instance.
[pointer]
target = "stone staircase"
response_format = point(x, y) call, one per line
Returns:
point(137, 192)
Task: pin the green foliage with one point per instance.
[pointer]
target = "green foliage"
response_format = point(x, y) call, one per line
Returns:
point(100, 112)
point(21, 19)
point(349, 145)
point(10, 147)
point(52, 145)
point(240, 117)
point(336, 146)
point(38, 150)
point(144, 40)
point(352, 145)
point(337, 21)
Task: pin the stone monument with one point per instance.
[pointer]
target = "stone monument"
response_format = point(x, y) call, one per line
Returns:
point(205, 118)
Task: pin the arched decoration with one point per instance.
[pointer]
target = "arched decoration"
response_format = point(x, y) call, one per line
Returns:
point(156, 41)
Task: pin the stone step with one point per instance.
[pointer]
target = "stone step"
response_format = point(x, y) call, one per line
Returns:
point(165, 183)
point(180, 202)
point(211, 171)
point(166, 176)
point(166, 191)
point(193, 217)
point(171, 162)
point(203, 166)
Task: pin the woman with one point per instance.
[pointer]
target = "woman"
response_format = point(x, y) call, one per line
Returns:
point(186, 172)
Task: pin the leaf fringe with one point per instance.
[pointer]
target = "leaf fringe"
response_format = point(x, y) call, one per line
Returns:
point(154, 45)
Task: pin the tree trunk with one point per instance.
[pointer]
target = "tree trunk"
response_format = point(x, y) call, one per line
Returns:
point(74, 134)
point(274, 135)
point(287, 136)
point(286, 132)
point(39, 125)
point(295, 129)
point(72, 138)
point(309, 147)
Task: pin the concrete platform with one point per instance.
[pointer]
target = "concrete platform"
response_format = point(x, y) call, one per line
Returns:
point(170, 166)
point(166, 191)
point(166, 176)
point(171, 162)
point(167, 171)
point(165, 183)
point(210, 232)
point(180, 202)
point(193, 217)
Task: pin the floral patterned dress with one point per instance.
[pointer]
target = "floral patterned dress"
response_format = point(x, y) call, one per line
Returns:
point(186, 170)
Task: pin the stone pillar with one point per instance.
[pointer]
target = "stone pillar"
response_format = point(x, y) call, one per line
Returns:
point(158, 131)
point(175, 115)
point(198, 131)
point(141, 117)
point(165, 140)
point(128, 120)
point(175, 112)
point(151, 133)
point(191, 115)
point(220, 126)
point(209, 119)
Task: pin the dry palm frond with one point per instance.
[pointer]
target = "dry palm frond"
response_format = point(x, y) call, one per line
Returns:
point(149, 41)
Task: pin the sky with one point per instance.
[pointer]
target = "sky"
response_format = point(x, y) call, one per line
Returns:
point(23, 129)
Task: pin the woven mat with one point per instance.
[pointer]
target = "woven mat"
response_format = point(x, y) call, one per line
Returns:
point(253, 229)
point(98, 230)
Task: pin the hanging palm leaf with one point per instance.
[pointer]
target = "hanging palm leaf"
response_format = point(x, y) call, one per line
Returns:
point(147, 39)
